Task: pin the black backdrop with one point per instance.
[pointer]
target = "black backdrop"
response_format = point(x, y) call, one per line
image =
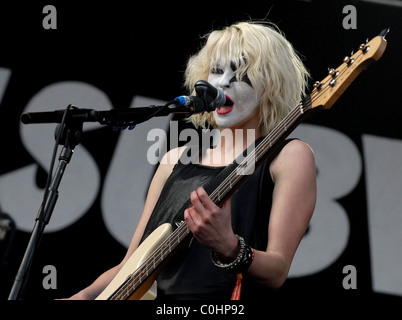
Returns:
point(140, 49)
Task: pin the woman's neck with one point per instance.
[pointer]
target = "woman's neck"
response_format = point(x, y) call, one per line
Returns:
point(232, 142)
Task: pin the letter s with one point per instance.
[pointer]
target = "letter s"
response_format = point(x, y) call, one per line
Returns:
point(19, 193)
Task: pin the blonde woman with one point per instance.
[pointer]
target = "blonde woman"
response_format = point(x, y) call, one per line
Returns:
point(257, 231)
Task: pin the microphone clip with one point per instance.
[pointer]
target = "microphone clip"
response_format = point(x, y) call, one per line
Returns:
point(209, 94)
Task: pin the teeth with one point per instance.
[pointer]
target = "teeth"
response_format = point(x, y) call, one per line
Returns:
point(224, 109)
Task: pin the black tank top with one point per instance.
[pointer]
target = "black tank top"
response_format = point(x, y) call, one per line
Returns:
point(191, 274)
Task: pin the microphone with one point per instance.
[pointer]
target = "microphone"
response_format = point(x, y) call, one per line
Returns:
point(193, 104)
point(210, 97)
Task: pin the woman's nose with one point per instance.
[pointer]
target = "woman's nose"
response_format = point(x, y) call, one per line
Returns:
point(224, 81)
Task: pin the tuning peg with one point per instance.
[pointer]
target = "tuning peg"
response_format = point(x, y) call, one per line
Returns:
point(317, 85)
point(384, 32)
point(348, 60)
point(364, 48)
point(332, 72)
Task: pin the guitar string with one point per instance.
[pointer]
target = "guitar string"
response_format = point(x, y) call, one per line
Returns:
point(272, 137)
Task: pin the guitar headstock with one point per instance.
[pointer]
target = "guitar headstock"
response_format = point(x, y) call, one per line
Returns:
point(327, 91)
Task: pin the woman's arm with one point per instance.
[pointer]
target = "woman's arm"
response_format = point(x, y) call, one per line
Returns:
point(294, 198)
point(162, 173)
point(294, 174)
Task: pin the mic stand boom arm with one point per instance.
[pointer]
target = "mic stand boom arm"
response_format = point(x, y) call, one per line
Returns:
point(128, 116)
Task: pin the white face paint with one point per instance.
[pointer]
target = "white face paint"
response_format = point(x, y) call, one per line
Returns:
point(241, 93)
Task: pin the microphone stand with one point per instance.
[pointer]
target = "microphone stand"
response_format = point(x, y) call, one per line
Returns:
point(70, 137)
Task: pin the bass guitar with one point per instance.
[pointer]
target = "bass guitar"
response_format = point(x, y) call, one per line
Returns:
point(137, 276)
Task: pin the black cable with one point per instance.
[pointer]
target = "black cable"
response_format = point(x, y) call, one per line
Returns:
point(160, 109)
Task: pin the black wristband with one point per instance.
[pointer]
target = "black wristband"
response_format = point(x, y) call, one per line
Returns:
point(242, 261)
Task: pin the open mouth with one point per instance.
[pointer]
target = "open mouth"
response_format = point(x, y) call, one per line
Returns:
point(227, 107)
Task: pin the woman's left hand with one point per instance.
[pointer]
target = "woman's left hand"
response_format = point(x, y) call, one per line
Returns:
point(212, 225)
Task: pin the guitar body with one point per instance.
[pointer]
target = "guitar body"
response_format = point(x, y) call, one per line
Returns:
point(149, 245)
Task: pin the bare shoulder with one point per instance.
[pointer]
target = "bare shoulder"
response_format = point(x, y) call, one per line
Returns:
point(296, 156)
point(163, 172)
point(172, 156)
point(298, 147)
point(169, 160)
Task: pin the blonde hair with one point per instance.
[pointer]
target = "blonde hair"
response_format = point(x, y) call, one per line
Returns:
point(274, 69)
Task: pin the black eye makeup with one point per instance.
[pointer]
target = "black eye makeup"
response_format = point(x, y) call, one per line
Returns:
point(233, 66)
point(217, 70)
point(220, 70)
point(245, 78)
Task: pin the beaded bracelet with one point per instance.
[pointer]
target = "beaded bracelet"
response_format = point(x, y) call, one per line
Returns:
point(242, 261)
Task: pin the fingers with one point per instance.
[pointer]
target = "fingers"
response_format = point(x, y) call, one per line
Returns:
point(210, 225)
point(205, 206)
point(190, 218)
point(227, 205)
point(197, 202)
point(202, 201)
point(199, 215)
